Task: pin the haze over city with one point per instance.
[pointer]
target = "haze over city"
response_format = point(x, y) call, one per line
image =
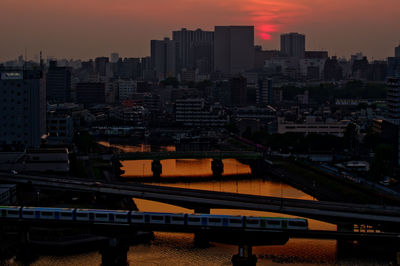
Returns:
point(88, 28)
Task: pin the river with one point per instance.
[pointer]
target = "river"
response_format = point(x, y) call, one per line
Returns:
point(178, 249)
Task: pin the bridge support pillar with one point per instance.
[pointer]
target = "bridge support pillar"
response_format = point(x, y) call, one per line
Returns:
point(156, 167)
point(244, 257)
point(114, 253)
point(217, 167)
point(24, 252)
point(200, 239)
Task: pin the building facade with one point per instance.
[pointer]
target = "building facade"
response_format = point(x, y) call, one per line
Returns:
point(293, 44)
point(164, 57)
point(58, 83)
point(23, 107)
point(190, 46)
point(233, 49)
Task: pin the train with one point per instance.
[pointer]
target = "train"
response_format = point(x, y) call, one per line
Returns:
point(150, 218)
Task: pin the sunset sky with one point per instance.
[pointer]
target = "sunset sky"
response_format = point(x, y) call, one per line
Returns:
point(90, 28)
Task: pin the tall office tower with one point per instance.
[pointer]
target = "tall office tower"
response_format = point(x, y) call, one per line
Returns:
point(58, 83)
point(233, 49)
point(101, 65)
point(186, 40)
point(114, 57)
point(164, 58)
point(23, 107)
point(293, 44)
point(393, 100)
point(201, 57)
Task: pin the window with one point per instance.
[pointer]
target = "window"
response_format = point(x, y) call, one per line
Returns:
point(252, 221)
point(297, 223)
point(66, 214)
point(194, 219)
point(120, 216)
point(157, 218)
point(137, 217)
point(81, 215)
point(235, 221)
point(178, 219)
point(27, 212)
point(273, 222)
point(214, 220)
point(101, 215)
point(47, 213)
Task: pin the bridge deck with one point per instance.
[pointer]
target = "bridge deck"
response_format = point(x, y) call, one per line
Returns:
point(198, 199)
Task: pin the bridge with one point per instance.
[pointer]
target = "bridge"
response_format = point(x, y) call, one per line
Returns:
point(217, 165)
point(345, 215)
point(119, 226)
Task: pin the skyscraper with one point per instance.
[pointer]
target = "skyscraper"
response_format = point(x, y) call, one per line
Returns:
point(233, 49)
point(164, 58)
point(397, 51)
point(58, 83)
point(101, 65)
point(189, 42)
point(23, 107)
point(393, 99)
point(293, 44)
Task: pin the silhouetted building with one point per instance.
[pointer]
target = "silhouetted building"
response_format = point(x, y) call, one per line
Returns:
point(293, 44)
point(377, 71)
point(397, 51)
point(58, 83)
point(261, 55)
point(189, 42)
point(233, 49)
point(264, 92)
point(316, 54)
point(238, 91)
point(88, 66)
point(23, 107)
point(393, 99)
point(393, 69)
point(332, 69)
point(164, 57)
point(101, 65)
point(114, 57)
point(90, 93)
point(360, 68)
point(201, 57)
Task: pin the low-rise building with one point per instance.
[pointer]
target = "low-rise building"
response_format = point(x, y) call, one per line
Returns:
point(311, 125)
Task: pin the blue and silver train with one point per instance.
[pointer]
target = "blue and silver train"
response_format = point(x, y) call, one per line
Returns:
point(150, 218)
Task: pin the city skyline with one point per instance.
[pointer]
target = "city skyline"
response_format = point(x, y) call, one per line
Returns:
point(88, 29)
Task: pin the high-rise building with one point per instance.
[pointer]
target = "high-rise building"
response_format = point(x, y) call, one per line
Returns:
point(23, 107)
point(114, 57)
point(164, 58)
point(293, 44)
point(393, 99)
point(188, 41)
point(101, 65)
point(58, 83)
point(233, 49)
point(397, 51)
point(264, 92)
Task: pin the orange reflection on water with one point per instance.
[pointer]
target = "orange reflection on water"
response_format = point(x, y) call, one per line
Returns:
point(183, 167)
